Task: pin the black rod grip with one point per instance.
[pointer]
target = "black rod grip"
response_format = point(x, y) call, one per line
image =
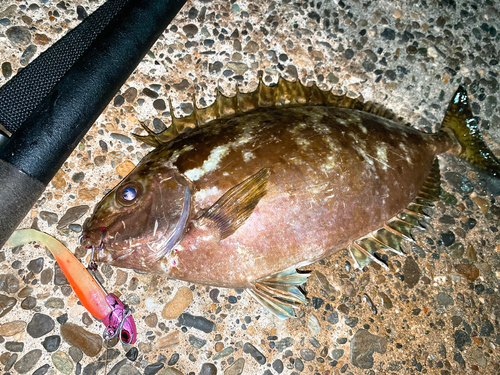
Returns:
point(56, 126)
point(17, 195)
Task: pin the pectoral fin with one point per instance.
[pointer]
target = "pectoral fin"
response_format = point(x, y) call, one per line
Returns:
point(237, 204)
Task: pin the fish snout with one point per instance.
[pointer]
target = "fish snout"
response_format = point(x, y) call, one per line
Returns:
point(93, 238)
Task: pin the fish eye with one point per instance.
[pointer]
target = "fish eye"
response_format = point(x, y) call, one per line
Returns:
point(129, 193)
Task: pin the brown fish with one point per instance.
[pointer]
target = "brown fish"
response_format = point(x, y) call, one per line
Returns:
point(243, 193)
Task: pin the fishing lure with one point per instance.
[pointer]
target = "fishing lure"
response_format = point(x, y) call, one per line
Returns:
point(106, 307)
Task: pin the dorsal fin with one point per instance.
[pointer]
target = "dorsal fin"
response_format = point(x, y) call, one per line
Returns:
point(283, 94)
point(397, 229)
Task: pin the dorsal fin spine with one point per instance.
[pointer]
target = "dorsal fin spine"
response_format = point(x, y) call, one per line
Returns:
point(283, 94)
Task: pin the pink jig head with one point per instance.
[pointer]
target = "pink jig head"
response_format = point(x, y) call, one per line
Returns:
point(119, 322)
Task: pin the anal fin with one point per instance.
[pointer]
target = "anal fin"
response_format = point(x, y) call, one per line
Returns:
point(398, 229)
point(280, 292)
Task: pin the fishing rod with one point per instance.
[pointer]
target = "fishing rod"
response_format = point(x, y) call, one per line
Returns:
point(47, 108)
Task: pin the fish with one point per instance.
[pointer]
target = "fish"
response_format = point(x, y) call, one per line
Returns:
point(103, 306)
point(247, 192)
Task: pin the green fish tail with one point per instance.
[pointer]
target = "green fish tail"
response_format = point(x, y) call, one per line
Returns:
point(460, 124)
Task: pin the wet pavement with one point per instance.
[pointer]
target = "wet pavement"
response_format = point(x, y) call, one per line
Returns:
point(436, 312)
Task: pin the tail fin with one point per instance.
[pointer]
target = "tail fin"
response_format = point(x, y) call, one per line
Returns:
point(463, 127)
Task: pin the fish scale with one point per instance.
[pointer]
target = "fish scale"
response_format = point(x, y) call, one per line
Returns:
point(248, 191)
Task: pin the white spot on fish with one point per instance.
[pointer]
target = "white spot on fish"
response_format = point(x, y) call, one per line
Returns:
point(321, 128)
point(402, 146)
point(382, 156)
point(156, 228)
point(361, 151)
point(248, 156)
point(303, 143)
point(202, 197)
point(209, 165)
point(328, 165)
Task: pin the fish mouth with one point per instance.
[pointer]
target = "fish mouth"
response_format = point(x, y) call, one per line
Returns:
point(93, 239)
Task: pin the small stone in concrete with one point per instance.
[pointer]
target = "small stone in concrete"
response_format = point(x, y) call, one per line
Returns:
point(197, 322)
point(333, 318)
point(351, 321)
point(307, 354)
point(62, 362)
point(457, 357)
point(363, 345)
point(6, 304)
point(114, 370)
point(109, 355)
point(13, 346)
point(445, 300)
point(25, 292)
point(9, 360)
point(337, 353)
point(75, 353)
point(28, 361)
point(468, 270)
point(61, 319)
point(178, 304)
point(299, 365)
point(448, 238)
point(132, 353)
point(236, 368)
point(93, 368)
point(49, 217)
point(153, 369)
point(462, 339)
point(12, 328)
point(278, 366)
point(9, 283)
point(284, 343)
point(46, 276)
point(89, 343)
point(40, 325)
point(127, 369)
point(254, 352)
point(487, 329)
point(208, 369)
point(151, 320)
point(59, 278)
point(51, 343)
point(72, 215)
point(411, 272)
point(478, 356)
point(36, 265)
point(19, 35)
point(42, 370)
point(173, 359)
point(197, 342)
point(54, 303)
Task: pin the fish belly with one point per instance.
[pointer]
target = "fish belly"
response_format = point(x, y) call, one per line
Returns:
point(336, 175)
